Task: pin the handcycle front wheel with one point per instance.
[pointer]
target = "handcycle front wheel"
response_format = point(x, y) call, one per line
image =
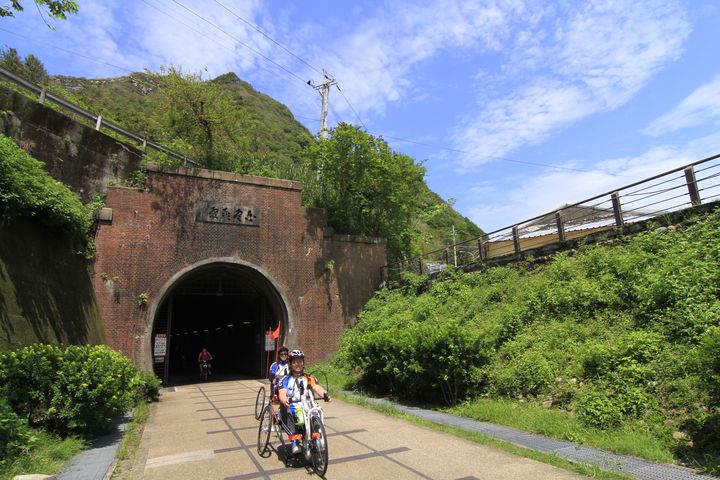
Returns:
point(318, 446)
point(259, 402)
point(264, 431)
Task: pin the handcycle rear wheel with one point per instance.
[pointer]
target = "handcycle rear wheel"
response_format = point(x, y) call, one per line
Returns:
point(318, 446)
point(264, 431)
point(259, 402)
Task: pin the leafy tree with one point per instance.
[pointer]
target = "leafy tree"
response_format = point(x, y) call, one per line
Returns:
point(31, 68)
point(200, 118)
point(56, 8)
point(366, 187)
point(11, 60)
point(35, 69)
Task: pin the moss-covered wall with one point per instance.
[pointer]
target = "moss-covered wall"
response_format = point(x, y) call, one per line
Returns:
point(45, 290)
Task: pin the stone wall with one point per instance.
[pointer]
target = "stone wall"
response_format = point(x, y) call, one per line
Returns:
point(79, 156)
point(45, 290)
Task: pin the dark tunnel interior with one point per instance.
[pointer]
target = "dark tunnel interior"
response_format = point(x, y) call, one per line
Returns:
point(226, 309)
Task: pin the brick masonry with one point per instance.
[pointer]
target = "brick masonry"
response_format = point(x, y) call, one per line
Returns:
point(153, 240)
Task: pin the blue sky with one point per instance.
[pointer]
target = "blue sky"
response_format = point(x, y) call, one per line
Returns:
point(594, 95)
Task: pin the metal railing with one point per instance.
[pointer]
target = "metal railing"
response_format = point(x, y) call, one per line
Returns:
point(674, 190)
point(44, 95)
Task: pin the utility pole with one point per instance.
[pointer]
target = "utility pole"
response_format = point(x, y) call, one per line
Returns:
point(324, 90)
point(454, 246)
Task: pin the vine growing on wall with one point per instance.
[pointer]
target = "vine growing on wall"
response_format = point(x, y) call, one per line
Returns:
point(28, 190)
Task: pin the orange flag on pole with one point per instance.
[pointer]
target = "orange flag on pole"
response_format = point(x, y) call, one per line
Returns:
point(275, 333)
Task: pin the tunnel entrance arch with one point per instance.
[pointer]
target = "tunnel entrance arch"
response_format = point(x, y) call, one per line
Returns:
point(224, 306)
point(178, 247)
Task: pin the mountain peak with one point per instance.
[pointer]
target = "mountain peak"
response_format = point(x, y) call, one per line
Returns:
point(228, 78)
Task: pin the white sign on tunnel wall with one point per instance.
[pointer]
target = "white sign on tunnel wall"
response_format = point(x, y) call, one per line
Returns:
point(214, 212)
point(160, 345)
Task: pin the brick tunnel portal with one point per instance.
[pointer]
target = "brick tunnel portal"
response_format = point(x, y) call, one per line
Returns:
point(226, 308)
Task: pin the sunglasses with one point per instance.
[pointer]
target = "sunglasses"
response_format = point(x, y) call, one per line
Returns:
point(283, 353)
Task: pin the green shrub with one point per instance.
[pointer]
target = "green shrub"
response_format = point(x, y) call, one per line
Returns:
point(708, 362)
point(527, 374)
point(147, 386)
point(703, 428)
point(628, 361)
point(683, 393)
point(596, 409)
point(27, 189)
point(412, 283)
point(27, 378)
point(68, 389)
point(422, 361)
point(15, 434)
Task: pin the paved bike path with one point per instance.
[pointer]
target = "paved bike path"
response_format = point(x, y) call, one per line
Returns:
point(209, 431)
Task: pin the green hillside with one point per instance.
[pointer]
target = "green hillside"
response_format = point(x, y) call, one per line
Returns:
point(269, 129)
point(226, 124)
point(617, 345)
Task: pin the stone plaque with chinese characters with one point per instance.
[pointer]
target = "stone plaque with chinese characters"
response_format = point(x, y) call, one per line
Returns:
point(216, 212)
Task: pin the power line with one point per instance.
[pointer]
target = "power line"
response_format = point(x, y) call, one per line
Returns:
point(96, 60)
point(307, 118)
point(538, 164)
point(197, 31)
point(351, 107)
point(240, 42)
point(323, 89)
point(182, 22)
point(505, 159)
point(323, 73)
point(325, 84)
point(257, 29)
point(67, 51)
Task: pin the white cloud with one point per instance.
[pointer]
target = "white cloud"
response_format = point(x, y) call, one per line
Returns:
point(149, 34)
point(523, 118)
point(374, 61)
point(207, 38)
point(701, 106)
point(571, 65)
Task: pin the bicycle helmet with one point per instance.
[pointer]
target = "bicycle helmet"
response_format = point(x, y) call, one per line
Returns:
point(296, 354)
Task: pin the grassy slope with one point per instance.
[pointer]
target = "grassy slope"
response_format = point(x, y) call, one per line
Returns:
point(609, 335)
point(436, 231)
